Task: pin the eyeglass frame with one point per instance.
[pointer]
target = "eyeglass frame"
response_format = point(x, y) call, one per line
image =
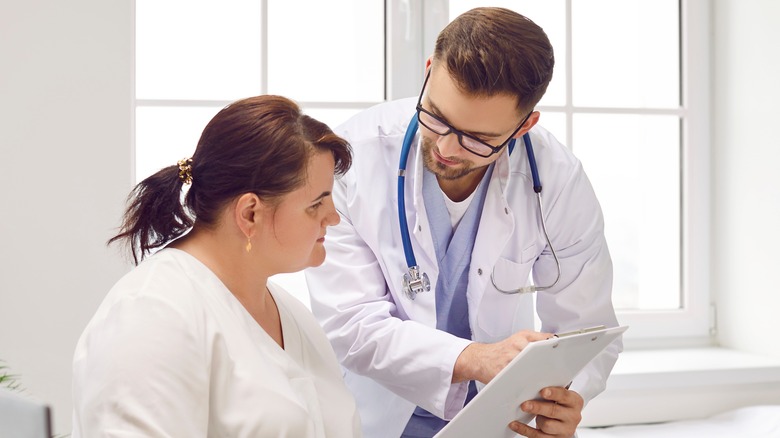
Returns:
point(460, 134)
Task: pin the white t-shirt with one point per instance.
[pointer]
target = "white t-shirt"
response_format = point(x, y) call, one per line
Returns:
point(172, 353)
point(457, 209)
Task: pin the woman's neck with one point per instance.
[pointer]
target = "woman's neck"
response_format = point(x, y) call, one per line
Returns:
point(240, 271)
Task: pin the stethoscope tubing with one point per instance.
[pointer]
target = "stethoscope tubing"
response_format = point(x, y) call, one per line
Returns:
point(411, 261)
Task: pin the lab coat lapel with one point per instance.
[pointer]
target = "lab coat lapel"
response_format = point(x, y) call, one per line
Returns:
point(496, 227)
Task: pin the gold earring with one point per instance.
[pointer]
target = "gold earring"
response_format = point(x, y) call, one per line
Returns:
point(248, 244)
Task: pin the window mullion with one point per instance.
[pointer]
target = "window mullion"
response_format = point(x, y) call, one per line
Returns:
point(569, 105)
point(264, 47)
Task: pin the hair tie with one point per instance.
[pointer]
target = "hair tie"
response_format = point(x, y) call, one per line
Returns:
point(185, 170)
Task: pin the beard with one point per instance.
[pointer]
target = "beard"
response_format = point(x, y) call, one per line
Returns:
point(442, 171)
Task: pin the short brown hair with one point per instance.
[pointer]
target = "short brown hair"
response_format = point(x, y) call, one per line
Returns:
point(490, 51)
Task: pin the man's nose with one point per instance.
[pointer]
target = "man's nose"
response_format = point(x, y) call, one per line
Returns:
point(448, 145)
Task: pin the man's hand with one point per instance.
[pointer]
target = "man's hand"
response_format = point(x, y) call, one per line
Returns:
point(482, 362)
point(557, 416)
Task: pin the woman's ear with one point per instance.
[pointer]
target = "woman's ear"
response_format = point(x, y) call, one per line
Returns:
point(248, 213)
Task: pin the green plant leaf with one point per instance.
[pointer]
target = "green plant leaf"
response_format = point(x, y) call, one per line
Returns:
point(10, 381)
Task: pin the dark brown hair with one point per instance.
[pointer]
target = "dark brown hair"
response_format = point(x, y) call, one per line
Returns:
point(258, 145)
point(489, 51)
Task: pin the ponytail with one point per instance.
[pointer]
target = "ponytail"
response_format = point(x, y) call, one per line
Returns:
point(155, 214)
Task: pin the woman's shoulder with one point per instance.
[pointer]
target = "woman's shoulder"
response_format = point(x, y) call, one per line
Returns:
point(155, 275)
point(165, 281)
point(150, 309)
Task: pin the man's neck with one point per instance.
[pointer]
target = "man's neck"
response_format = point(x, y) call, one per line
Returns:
point(459, 189)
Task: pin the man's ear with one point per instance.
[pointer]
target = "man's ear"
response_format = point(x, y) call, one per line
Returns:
point(428, 65)
point(248, 213)
point(532, 120)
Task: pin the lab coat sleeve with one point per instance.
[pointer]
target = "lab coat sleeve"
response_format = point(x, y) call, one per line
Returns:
point(140, 371)
point(350, 298)
point(583, 296)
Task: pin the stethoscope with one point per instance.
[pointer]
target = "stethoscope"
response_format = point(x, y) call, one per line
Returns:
point(415, 281)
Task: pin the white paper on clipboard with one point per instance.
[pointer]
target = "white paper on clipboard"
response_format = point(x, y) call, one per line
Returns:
point(551, 362)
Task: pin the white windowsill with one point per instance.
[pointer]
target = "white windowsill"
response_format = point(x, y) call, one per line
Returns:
point(650, 386)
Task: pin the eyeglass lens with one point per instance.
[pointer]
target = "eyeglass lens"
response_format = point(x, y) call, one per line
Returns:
point(441, 128)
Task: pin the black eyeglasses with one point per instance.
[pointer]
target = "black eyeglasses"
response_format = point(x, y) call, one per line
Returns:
point(467, 141)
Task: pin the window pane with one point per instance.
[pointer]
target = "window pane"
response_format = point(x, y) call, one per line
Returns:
point(550, 15)
point(629, 57)
point(198, 49)
point(633, 162)
point(333, 52)
point(165, 135)
point(332, 117)
point(554, 122)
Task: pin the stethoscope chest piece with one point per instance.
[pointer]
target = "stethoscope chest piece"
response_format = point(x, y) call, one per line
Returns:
point(414, 283)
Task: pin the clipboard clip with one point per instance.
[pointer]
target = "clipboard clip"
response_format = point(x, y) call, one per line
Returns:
point(580, 331)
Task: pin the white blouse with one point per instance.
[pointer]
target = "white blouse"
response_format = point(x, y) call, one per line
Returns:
point(172, 353)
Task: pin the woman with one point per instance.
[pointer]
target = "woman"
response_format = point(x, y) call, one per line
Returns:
point(195, 341)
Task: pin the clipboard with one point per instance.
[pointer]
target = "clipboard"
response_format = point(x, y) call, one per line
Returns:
point(551, 362)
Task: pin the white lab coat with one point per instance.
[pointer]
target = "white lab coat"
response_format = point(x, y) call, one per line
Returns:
point(393, 355)
point(171, 352)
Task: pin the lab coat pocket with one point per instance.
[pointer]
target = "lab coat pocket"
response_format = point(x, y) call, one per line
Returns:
point(497, 309)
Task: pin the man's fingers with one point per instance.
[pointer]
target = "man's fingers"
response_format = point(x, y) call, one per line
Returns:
point(550, 426)
point(527, 431)
point(562, 396)
point(545, 409)
point(553, 410)
point(558, 395)
point(557, 415)
point(522, 338)
point(531, 336)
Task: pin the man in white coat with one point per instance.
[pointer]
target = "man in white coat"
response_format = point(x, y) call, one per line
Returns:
point(412, 361)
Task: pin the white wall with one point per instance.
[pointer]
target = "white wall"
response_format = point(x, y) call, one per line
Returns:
point(65, 149)
point(746, 173)
point(65, 168)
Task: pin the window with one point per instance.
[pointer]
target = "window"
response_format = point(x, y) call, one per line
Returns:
point(629, 95)
point(194, 57)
